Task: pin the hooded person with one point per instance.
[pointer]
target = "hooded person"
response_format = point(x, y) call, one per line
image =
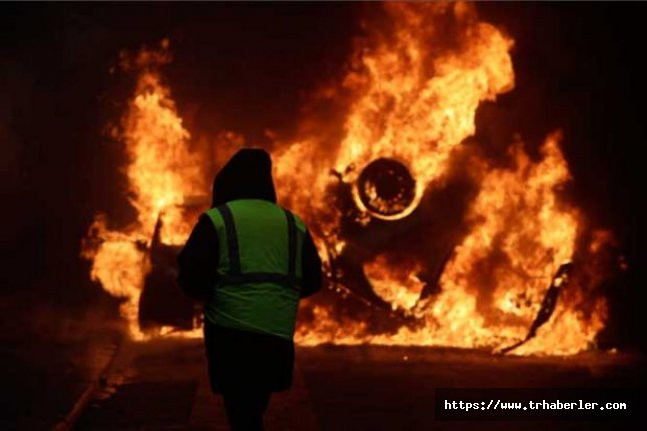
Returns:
point(250, 261)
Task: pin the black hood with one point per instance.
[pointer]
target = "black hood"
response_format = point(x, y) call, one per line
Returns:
point(247, 175)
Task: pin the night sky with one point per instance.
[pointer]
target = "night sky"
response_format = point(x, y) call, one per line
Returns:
point(251, 67)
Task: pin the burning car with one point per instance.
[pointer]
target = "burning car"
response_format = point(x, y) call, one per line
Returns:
point(427, 238)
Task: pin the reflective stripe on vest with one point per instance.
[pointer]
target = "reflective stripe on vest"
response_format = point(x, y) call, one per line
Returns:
point(235, 276)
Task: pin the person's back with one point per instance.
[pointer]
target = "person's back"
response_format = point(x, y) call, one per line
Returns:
point(250, 261)
point(262, 242)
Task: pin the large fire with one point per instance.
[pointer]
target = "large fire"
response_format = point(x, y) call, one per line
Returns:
point(414, 90)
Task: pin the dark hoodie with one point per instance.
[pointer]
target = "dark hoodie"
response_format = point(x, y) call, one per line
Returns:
point(247, 175)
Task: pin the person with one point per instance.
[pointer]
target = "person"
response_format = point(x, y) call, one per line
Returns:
point(250, 261)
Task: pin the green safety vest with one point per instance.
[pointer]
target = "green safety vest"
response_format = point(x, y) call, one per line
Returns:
point(260, 276)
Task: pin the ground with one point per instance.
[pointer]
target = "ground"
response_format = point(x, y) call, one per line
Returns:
point(162, 384)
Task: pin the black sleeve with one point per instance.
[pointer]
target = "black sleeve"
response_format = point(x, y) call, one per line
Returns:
point(198, 260)
point(311, 267)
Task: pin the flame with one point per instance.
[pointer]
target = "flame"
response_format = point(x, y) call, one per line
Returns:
point(162, 173)
point(518, 221)
point(415, 102)
point(119, 265)
point(397, 284)
point(414, 90)
point(412, 104)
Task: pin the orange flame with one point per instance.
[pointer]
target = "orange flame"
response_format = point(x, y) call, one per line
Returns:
point(516, 216)
point(162, 173)
point(412, 104)
point(415, 91)
point(416, 102)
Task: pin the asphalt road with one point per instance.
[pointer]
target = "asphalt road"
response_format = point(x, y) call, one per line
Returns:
point(45, 371)
point(162, 385)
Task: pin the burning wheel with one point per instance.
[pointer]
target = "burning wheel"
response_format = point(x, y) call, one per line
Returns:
point(386, 189)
